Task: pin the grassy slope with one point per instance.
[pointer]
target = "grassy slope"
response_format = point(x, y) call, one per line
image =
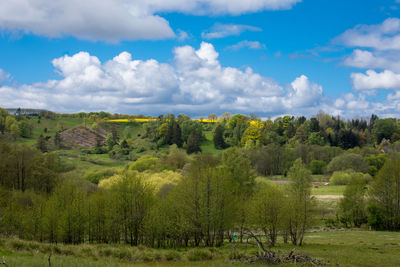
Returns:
point(345, 248)
point(208, 145)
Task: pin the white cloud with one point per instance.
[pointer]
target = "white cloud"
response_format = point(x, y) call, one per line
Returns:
point(223, 30)
point(247, 44)
point(384, 36)
point(115, 20)
point(373, 80)
point(303, 93)
point(195, 83)
point(374, 60)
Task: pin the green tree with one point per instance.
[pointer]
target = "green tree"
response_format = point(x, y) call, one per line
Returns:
point(384, 207)
point(301, 202)
point(193, 144)
point(218, 137)
point(268, 212)
point(352, 207)
point(41, 143)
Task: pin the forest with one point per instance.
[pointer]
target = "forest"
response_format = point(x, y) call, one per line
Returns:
point(173, 183)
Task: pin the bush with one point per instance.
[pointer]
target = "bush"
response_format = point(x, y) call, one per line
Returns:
point(344, 177)
point(144, 163)
point(172, 255)
point(96, 176)
point(317, 166)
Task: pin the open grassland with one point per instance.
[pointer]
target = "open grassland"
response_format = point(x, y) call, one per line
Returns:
point(333, 190)
point(208, 145)
point(339, 248)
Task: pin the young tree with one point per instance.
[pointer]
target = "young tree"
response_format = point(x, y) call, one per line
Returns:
point(301, 202)
point(41, 143)
point(384, 208)
point(268, 211)
point(352, 208)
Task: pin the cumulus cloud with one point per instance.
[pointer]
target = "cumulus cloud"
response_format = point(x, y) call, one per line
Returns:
point(247, 44)
point(219, 30)
point(115, 20)
point(303, 93)
point(384, 36)
point(195, 83)
point(373, 80)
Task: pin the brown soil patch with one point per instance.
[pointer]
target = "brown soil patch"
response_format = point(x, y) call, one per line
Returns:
point(81, 137)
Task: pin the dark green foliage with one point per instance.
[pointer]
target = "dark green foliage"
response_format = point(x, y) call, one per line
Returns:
point(384, 128)
point(218, 137)
point(193, 143)
point(41, 143)
point(317, 166)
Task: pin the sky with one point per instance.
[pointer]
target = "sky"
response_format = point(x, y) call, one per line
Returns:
point(151, 57)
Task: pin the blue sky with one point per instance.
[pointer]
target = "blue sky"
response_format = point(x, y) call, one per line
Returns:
point(199, 57)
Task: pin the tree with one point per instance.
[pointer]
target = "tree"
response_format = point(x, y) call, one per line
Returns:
point(213, 117)
point(384, 206)
point(134, 199)
point(348, 161)
point(301, 202)
point(384, 128)
point(352, 207)
point(268, 212)
point(218, 137)
point(110, 143)
point(317, 166)
point(193, 144)
point(41, 143)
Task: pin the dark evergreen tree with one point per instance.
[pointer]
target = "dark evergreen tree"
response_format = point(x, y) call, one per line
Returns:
point(193, 144)
point(41, 143)
point(218, 137)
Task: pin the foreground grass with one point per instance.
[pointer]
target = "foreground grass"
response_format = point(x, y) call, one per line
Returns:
point(343, 248)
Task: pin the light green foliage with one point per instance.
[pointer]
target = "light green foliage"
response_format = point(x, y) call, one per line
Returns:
point(352, 208)
point(384, 209)
point(315, 138)
point(376, 162)
point(25, 128)
point(145, 162)
point(98, 175)
point(345, 177)
point(267, 212)
point(300, 202)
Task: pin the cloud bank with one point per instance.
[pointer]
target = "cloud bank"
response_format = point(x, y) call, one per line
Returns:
point(195, 83)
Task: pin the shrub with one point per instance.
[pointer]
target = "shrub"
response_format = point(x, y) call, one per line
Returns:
point(18, 245)
point(96, 176)
point(172, 255)
point(143, 163)
point(344, 177)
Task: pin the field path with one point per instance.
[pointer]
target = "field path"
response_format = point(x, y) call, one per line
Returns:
point(328, 196)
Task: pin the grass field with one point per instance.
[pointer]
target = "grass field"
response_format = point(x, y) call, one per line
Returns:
point(340, 248)
point(335, 190)
point(208, 145)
